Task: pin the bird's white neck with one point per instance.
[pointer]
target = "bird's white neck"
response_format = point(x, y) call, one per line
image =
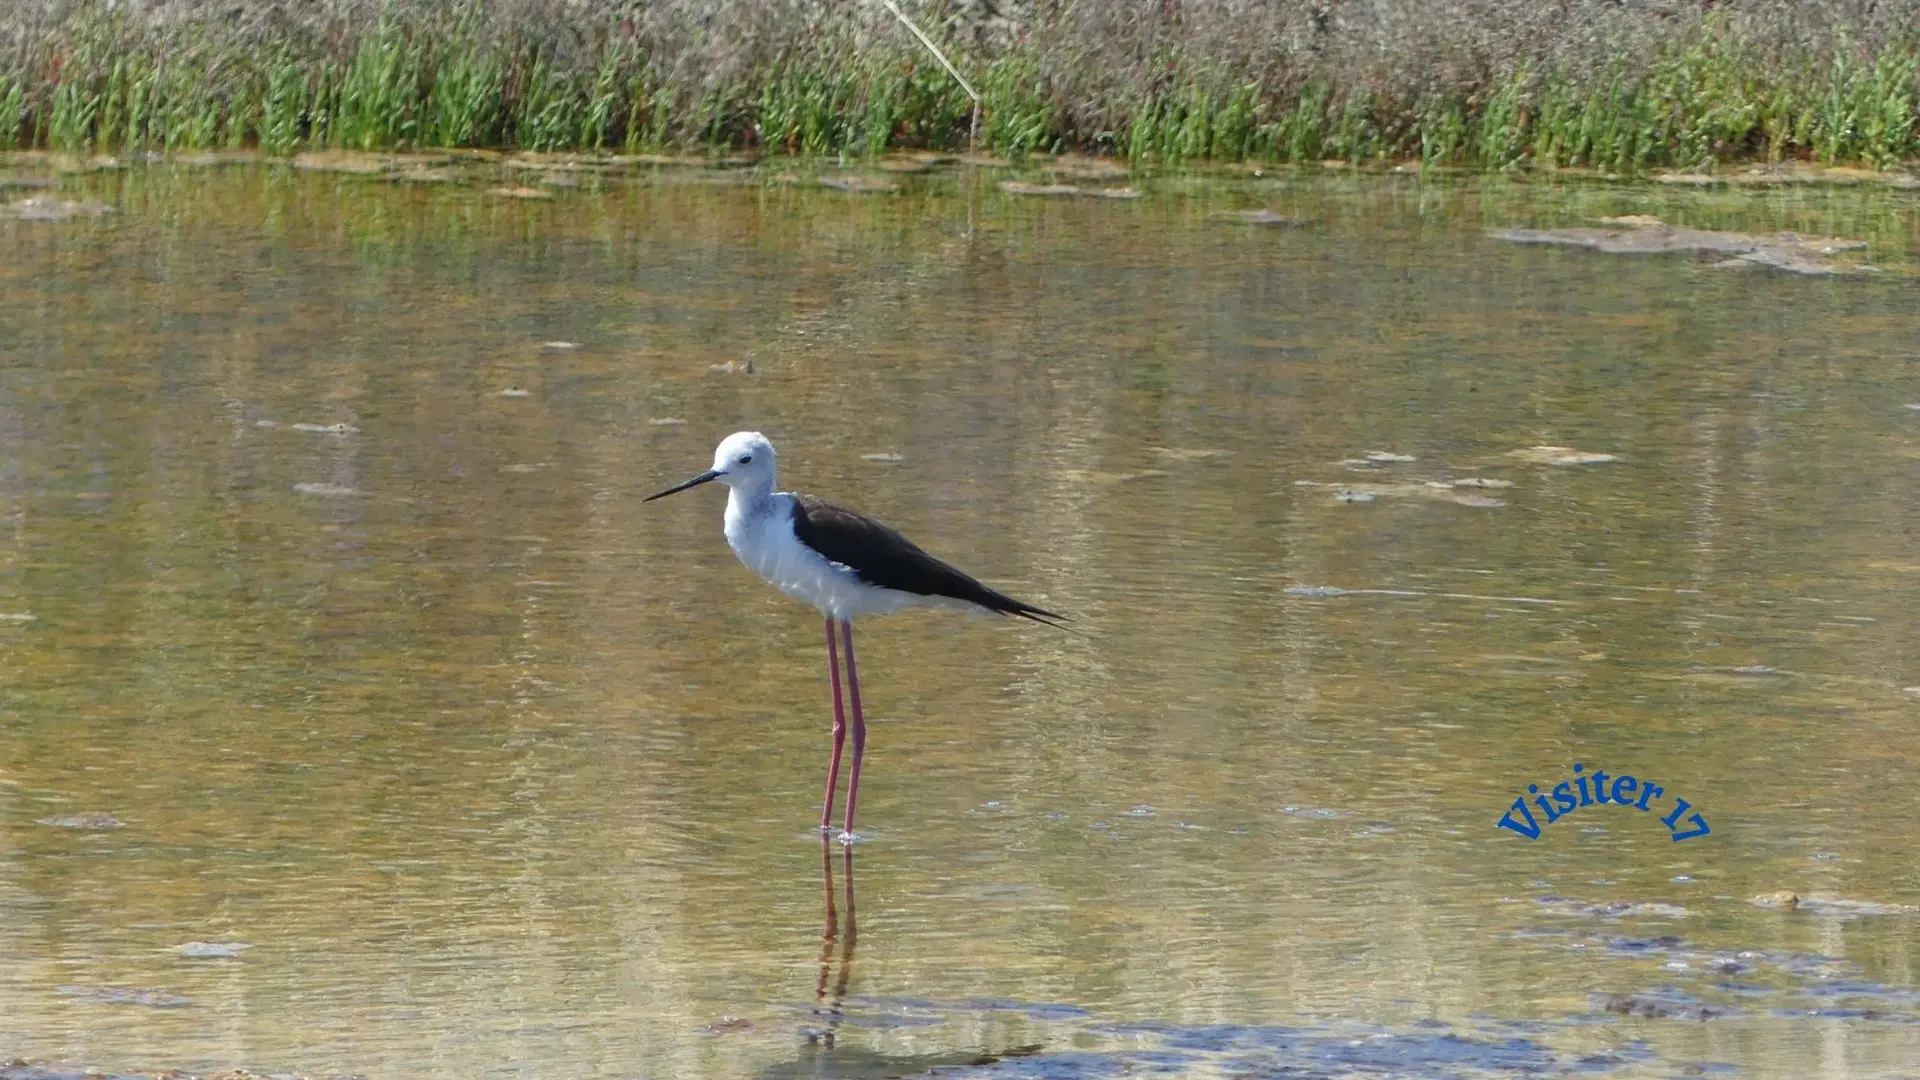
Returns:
point(746, 502)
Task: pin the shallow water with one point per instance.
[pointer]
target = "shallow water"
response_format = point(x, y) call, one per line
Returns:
point(365, 661)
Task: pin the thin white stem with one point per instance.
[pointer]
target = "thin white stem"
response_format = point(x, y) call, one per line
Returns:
point(973, 134)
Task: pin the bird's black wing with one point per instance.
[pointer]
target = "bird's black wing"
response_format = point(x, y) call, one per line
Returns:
point(881, 557)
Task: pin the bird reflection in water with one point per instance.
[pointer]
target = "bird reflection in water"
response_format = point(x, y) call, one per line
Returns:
point(832, 941)
point(821, 1057)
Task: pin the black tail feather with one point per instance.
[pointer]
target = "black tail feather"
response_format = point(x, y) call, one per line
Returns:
point(1035, 614)
point(1041, 616)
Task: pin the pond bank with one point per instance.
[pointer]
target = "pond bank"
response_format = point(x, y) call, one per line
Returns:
point(1617, 86)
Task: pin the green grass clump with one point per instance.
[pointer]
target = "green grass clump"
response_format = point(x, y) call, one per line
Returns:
point(13, 110)
point(377, 99)
point(1613, 84)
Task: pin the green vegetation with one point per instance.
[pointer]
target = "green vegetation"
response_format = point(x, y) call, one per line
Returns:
point(1614, 84)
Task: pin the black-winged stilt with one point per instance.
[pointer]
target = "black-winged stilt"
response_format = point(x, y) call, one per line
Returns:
point(844, 563)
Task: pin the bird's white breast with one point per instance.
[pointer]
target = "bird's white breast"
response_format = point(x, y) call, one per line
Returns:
point(762, 536)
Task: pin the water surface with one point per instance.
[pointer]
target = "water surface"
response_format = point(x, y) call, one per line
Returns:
point(324, 574)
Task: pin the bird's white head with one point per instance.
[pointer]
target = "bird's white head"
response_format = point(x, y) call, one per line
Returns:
point(743, 461)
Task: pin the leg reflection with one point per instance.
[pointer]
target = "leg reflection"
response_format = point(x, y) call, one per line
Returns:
point(834, 940)
point(821, 1057)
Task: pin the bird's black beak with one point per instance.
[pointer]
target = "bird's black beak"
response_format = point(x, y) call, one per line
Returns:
point(710, 474)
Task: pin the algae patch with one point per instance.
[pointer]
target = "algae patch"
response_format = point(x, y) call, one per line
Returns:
point(1643, 235)
point(1069, 191)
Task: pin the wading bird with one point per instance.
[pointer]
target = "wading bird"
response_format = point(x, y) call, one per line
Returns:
point(843, 563)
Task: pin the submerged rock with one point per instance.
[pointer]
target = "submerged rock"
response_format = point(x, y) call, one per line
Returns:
point(1096, 476)
point(1016, 187)
point(81, 165)
point(859, 185)
point(116, 995)
point(1254, 217)
point(1433, 491)
point(915, 161)
point(211, 950)
point(91, 820)
point(673, 161)
point(1789, 173)
point(564, 162)
point(1611, 909)
point(1833, 907)
point(211, 159)
point(23, 1069)
point(1086, 168)
point(1644, 235)
point(1560, 455)
point(1663, 1007)
point(428, 175)
point(1376, 458)
point(1186, 453)
point(520, 193)
point(48, 208)
point(352, 162)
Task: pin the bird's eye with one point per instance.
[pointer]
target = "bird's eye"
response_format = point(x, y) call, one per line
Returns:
point(746, 459)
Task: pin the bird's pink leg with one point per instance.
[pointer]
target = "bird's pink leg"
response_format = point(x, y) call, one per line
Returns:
point(859, 732)
point(839, 724)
